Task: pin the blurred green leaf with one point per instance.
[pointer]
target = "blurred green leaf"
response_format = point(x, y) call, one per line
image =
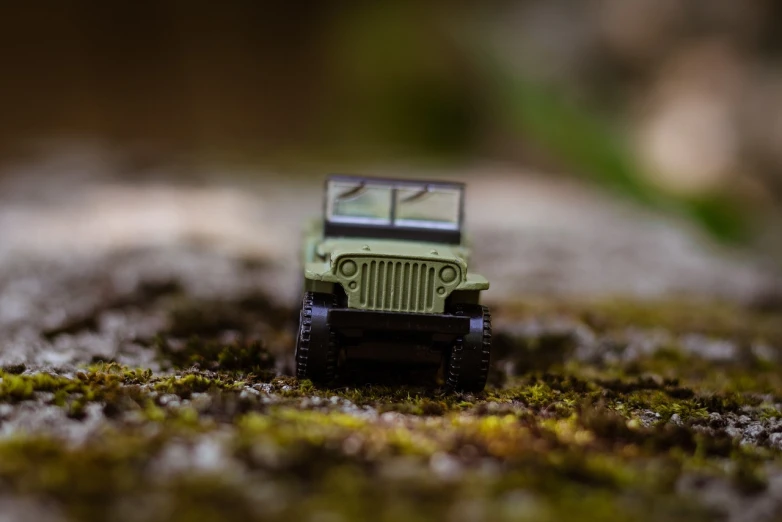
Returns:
point(593, 148)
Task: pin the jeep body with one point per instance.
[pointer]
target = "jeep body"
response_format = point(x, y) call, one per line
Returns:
point(386, 277)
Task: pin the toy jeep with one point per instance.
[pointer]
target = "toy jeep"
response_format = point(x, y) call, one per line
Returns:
point(386, 279)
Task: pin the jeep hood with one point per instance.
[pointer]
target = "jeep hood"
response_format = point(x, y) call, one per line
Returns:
point(333, 249)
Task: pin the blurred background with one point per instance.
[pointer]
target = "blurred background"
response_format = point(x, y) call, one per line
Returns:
point(673, 108)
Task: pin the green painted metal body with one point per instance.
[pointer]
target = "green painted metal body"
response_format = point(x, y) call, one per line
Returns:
point(389, 275)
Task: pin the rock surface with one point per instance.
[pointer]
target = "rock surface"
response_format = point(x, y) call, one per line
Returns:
point(146, 339)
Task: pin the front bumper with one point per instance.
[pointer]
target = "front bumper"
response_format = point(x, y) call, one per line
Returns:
point(342, 319)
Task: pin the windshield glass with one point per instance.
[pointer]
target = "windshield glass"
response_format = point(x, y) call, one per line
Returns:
point(387, 203)
point(431, 207)
point(359, 202)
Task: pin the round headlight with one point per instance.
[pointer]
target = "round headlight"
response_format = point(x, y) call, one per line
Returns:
point(348, 268)
point(448, 274)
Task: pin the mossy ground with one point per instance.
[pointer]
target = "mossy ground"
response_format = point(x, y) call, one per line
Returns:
point(559, 434)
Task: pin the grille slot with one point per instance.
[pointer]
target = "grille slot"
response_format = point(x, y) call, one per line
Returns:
point(400, 286)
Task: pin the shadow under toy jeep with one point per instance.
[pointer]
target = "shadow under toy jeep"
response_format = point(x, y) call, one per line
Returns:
point(386, 279)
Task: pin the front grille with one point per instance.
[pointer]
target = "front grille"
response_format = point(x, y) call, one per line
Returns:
point(399, 286)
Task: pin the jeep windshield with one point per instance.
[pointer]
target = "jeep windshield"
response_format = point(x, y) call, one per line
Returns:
point(398, 209)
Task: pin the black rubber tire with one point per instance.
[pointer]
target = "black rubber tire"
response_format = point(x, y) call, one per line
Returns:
point(316, 346)
point(467, 363)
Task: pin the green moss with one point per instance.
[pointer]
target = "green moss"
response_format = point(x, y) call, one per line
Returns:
point(560, 440)
point(86, 481)
point(15, 388)
point(186, 385)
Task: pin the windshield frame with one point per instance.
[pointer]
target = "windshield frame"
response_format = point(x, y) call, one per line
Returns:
point(381, 228)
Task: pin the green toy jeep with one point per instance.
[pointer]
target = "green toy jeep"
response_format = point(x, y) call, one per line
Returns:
point(386, 279)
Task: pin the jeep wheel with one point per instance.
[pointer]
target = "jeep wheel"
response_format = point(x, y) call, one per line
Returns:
point(316, 346)
point(467, 364)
